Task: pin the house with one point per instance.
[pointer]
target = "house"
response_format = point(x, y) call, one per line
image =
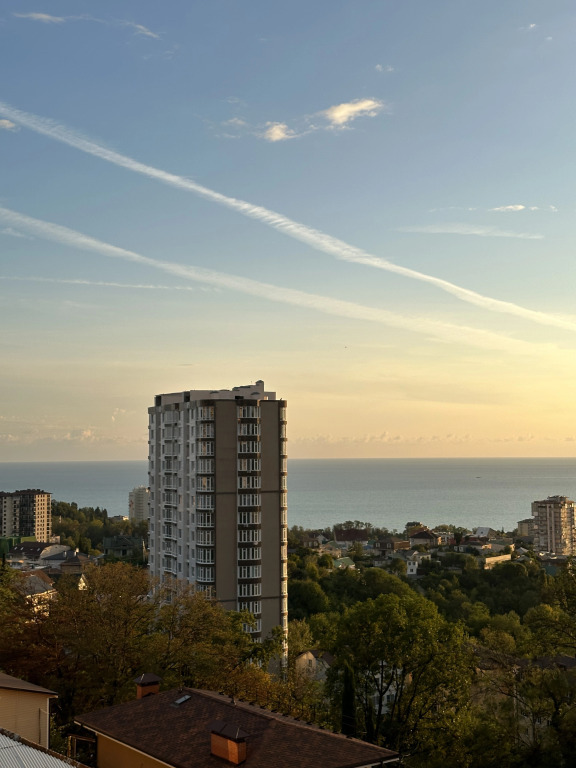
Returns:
point(122, 546)
point(32, 553)
point(349, 536)
point(424, 537)
point(414, 562)
point(22, 753)
point(188, 728)
point(342, 563)
point(391, 544)
point(314, 541)
point(25, 709)
point(314, 664)
point(38, 589)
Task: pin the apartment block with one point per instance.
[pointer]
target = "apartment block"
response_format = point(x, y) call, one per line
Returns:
point(138, 504)
point(26, 513)
point(554, 525)
point(218, 497)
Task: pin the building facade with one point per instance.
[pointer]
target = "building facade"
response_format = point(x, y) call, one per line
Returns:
point(26, 513)
point(138, 504)
point(218, 498)
point(554, 525)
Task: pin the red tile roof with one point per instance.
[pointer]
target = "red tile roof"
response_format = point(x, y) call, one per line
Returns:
point(179, 733)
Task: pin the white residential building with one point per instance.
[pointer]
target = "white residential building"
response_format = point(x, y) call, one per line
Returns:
point(138, 504)
point(554, 525)
point(218, 497)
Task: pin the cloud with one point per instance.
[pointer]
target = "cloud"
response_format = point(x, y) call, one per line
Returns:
point(422, 325)
point(139, 29)
point(278, 132)
point(13, 233)
point(314, 238)
point(469, 229)
point(105, 283)
point(235, 121)
point(529, 28)
point(341, 114)
point(382, 68)
point(42, 17)
point(118, 412)
point(8, 125)
point(506, 208)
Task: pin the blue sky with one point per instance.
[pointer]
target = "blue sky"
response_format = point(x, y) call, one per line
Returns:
point(368, 205)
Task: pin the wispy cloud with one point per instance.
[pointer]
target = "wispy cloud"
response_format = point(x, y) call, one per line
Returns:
point(509, 208)
point(44, 18)
point(104, 283)
point(13, 233)
point(8, 125)
point(384, 68)
point(139, 29)
point(338, 117)
point(312, 237)
point(529, 28)
point(422, 325)
point(469, 229)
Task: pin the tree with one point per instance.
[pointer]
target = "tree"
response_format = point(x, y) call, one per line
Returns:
point(399, 649)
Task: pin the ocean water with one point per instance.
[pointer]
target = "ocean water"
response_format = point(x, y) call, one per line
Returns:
point(321, 492)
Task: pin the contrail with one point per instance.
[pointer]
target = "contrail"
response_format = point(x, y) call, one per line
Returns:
point(313, 237)
point(325, 304)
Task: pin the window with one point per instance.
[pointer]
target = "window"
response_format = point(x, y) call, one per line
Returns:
point(249, 571)
point(248, 499)
point(205, 448)
point(249, 429)
point(249, 590)
point(205, 556)
point(250, 481)
point(204, 465)
point(249, 553)
point(205, 519)
point(250, 534)
point(249, 465)
point(248, 446)
point(248, 412)
point(253, 606)
point(249, 518)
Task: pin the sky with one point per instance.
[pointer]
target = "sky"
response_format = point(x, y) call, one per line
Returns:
point(369, 205)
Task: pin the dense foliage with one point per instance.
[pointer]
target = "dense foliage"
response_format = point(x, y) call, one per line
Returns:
point(86, 527)
point(462, 667)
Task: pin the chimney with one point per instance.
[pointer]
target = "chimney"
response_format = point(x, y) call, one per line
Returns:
point(147, 684)
point(228, 742)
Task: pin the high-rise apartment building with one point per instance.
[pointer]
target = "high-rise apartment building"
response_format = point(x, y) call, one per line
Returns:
point(554, 525)
point(218, 500)
point(26, 513)
point(138, 504)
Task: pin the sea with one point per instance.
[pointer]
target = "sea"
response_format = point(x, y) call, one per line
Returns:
point(321, 492)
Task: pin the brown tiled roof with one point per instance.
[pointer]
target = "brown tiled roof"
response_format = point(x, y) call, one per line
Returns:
point(15, 684)
point(351, 534)
point(179, 734)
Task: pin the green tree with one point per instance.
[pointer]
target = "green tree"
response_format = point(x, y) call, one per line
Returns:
point(399, 649)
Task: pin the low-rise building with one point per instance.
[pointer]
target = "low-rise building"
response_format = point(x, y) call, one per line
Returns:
point(25, 709)
point(187, 728)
